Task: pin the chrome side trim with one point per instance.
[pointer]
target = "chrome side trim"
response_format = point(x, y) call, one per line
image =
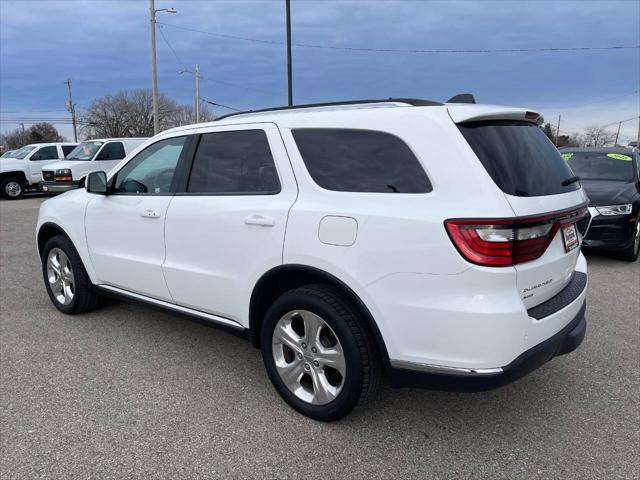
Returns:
point(441, 369)
point(172, 306)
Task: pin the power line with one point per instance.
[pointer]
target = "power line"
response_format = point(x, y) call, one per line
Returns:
point(403, 50)
point(184, 66)
point(220, 105)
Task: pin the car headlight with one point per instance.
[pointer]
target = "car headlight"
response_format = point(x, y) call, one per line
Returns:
point(63, 172)
point(615, 210)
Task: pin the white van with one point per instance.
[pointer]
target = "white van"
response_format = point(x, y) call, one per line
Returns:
point(92, 155)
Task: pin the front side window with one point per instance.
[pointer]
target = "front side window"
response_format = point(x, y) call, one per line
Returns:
point(347, 160)
point(112, 151)
point(236, 162)
point(152, 170)
point(601, 166)
point(85, 151)
point(46, 153)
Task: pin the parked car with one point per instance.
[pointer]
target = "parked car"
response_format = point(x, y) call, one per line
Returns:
point(610, 176)
point(436, 242)
point(90, 156)
point(23, 170)
point(7, 154)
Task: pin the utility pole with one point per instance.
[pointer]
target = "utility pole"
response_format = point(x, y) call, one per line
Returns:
point(71, 108)
point(638, 139)
point(197, 110)
point(154, 67)
point(558, 131)
point(289, 73)
point(615, 144)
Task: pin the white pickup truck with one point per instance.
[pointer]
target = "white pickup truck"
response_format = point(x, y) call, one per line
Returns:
point(23, 170)
point(92, 155)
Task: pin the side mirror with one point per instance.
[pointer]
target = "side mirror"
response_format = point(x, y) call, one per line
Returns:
point(97, 183)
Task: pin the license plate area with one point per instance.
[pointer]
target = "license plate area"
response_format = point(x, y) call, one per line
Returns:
point(570, 237)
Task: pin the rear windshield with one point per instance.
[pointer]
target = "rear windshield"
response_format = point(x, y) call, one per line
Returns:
point(601, 166)
point(520, 158)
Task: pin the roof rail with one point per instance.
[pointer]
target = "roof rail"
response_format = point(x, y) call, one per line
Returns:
point(462, 98)
point(415, 102)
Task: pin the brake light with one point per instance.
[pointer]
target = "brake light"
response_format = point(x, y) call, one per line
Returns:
point(504, 242)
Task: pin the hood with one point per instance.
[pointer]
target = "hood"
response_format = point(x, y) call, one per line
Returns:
point(9, 164)
point(65, 164)
point(609, 192)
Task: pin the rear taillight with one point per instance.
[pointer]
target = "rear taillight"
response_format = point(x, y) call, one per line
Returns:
point(503, 242)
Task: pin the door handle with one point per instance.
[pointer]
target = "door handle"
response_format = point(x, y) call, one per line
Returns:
point(261, 220)
point(150, 214)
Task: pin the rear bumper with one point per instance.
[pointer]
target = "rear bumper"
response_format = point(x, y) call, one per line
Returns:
point(58, 187)
point(563, 342)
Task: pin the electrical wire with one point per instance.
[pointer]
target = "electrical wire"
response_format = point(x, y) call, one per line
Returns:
point(403, 50)
point(220, 105)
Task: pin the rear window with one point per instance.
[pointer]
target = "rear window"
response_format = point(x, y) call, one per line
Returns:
point(520, 158)
point(347, 160)
point(601, 166)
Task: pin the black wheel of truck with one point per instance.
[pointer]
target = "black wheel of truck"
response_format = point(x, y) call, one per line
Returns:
point(11, 188)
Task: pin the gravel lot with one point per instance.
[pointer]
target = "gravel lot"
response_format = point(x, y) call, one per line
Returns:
point(131, 392)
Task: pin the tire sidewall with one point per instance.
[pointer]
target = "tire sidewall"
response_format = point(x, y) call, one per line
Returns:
point(65, 245)
point(352, 388)
point(3, 188)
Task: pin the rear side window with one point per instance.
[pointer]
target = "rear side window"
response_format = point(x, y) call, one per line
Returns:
point(520, 158)
point(46, 153)
point(112, 151)
point(67, 149)
point(348, 160)
point(236, 162)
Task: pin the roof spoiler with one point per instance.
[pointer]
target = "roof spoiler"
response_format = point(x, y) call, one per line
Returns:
point(462, 98)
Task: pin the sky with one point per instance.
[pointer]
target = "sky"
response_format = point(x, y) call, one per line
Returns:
point(103, 46)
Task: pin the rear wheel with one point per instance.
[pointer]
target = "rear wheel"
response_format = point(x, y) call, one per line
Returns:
point(65, 277)
point(11, 188)
point(317, 353)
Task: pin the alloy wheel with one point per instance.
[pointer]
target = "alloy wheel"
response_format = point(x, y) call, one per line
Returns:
point(13, 189)
point(308, 357)
point(60, 276)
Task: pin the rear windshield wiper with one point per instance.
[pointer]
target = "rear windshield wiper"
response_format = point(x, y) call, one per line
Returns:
point(570, 180)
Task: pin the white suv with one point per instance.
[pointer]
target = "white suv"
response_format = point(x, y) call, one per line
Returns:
point(438, 243)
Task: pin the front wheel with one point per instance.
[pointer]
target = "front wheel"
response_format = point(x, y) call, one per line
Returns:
point(317, 353)
point(12, 188)
point(632, 251)
point(65, 278)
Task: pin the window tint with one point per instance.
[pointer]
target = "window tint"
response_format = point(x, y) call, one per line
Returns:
point(234, 162)
point(520, 158)
point(151, 171)
point(360, 161)
point(601, 166)
point(112, 151)
point(67, 149)
point(46, 153)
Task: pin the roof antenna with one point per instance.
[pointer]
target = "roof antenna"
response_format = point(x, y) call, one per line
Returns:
point(462, 98)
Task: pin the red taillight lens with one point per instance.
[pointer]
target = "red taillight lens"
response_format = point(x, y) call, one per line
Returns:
point(504, 242)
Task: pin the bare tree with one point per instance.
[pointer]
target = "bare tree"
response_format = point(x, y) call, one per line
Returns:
point(38, 133)
point(186, 115)
point(596, 136)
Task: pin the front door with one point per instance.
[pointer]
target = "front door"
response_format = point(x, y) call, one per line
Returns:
point(125, 229)
point(228, 228)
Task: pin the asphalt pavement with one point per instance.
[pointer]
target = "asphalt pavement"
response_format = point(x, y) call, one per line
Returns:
point(128, 391)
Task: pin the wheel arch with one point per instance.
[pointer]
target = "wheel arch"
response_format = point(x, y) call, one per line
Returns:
point(14, 173)
point(47, 231)
point(283, 278)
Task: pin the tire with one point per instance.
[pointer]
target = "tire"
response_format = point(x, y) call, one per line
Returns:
point(72, 291)
point(630, 254)
point(12, 188)
point(308, 363)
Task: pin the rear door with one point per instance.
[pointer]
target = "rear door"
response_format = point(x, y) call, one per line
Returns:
point(536, 181)
point(227, 228)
